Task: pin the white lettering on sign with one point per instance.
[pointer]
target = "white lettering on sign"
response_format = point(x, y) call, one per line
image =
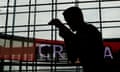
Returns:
point(55, 50)
point(108, 53)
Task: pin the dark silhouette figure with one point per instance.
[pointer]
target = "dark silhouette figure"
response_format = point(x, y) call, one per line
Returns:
point(83, 41)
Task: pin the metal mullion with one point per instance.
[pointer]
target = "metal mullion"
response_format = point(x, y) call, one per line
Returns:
point(76, 3)
point(24, 12)
point(55, 30)
point(100, 16)
point(59, 10)
point(70, 2)
point(34, 35)
point(51, 52)
point(47, 24)
point(28, 5)
point(25, 25)
point(20, 62)
point(11, 40)
point(51, 3)
point(6, 24)
point(55, 33)
point(28, 31)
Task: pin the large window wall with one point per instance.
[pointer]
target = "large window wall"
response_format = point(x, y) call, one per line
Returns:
point(29, 18)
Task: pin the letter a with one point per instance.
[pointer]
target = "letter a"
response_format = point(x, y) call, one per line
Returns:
point(108, 53)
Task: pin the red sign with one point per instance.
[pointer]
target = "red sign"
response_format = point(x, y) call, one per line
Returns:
point(24, 54)
point(28, 54)
point(115, 46)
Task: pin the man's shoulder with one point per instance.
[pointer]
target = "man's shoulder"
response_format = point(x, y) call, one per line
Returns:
point(90, 26)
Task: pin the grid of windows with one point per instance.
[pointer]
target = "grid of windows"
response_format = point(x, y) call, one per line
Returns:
point(29, 18)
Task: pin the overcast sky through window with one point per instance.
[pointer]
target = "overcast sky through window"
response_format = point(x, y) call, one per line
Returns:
point(109, 14)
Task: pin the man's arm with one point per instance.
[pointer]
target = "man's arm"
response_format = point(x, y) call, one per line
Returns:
point(64, 32)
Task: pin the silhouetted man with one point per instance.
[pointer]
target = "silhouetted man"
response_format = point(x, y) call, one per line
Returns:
point(83, 41)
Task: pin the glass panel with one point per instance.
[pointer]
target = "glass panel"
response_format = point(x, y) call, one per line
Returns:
point(11, 2)
point(21, 28)
point(26, 44)
point(43, 35)
point(43, 18)
point(111, 3)
point(64, 6)
point(21, 19)
point(23, 34)
point(111, 14)
point(111, 33)
point(60, 16)
point(2, 42)
point(7, 43)
point(31, 18)
point(6, 68)
point(89, 5)
point(21, 9)
point(9, 29)
point(45, 7)
point(22, 2)
point(2, 30)
point(17, 44)
point(91, 15)
point(66, 1)
point(109, 24)
point(31, 34)
point(2, 20)
point(10, 19)
point(3, 2)
point(86, 0)
point(43, 1)
point(2, 10)
point(43, 27)
point(47, 35)
point(95, 24)
point(15, 68)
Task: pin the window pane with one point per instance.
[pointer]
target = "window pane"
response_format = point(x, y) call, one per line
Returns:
point(22, 2)
point(110, 3)
point(111, 33)
point(109, 24)
point(21, 19)
point(60, 16)
point(43, 18)
point(22, 9)
point(91, 15)
point(43, 1)
point(2, 20)
point(66, 0)
point(3, 2)
point(45, 7)
point(2, 30)
point(23, 34)
point(43, 35)
point(110, 14)
point(64, 6)
point(21, 28)
point(10, 19)
point(42, 27)
point(89, 5)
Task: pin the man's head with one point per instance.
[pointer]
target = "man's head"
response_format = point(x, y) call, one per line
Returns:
point(74, 17)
